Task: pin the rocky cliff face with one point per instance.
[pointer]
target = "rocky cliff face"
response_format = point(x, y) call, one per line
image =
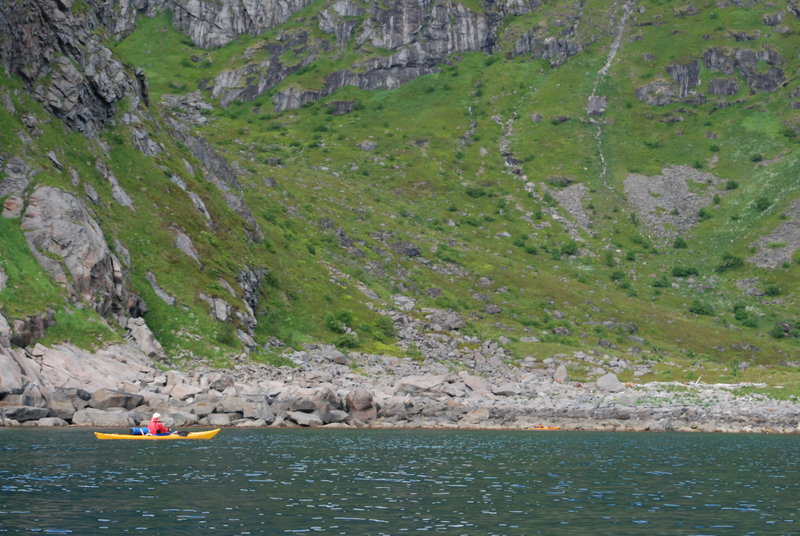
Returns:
point(417, 35)
point(58, 53)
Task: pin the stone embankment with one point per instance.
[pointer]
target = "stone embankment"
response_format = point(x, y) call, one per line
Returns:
point(119, 387)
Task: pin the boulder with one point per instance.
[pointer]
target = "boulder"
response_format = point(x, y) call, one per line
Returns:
point(476, 384)
point(182, 391)
point(201, 408)
point(219, 381)
point(303, 404)
point(420, 384)
point(305, 419)
point(362, 416)
point(335, 416)
point(61, 406)
point(359, 399)
point(51, 421)
point(560, 375)
point(110, 398)
point(333, 355)
point(139, 332)
point(258, 409)
point(23, 413)
point(609, 382)
point(506, 389)
point(10, 374)
point(217, 419)
point(116, 417)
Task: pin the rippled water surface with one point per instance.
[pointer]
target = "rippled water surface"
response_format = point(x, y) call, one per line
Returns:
point(369, 482)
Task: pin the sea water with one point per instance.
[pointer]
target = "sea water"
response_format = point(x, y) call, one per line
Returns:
point(396, 482)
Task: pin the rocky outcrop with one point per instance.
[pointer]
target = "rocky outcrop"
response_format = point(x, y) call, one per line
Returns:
point(70, 245)
point(418, 35)
point(745, 62)
point(58, 53)
point(212, 24)
point(687, 76)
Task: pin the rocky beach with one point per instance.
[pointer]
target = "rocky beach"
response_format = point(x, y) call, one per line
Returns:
point(451, 387)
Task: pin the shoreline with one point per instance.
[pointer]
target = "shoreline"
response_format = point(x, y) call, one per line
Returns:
point(120, 388)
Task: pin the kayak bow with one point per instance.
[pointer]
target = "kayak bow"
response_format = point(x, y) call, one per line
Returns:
point(205, 434)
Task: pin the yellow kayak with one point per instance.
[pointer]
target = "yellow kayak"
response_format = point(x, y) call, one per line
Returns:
point(206, 434)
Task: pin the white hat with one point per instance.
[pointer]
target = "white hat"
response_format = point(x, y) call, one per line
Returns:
point(156, 415)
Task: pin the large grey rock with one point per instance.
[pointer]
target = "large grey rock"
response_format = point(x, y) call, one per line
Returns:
point(61, 406)
point(57, 225)
point(420, 384)
point(24, 413)
point(506, 389)
point(609, 382)
point(476, 384)
point(68, 366)
point(560, 375)
point(216, 419)
point(11, 381)
point(51, 422)
point(359, 399)
point(139, 332)
point(182, 391)
point(305, 419)
point(110, 398)
point(102, 418)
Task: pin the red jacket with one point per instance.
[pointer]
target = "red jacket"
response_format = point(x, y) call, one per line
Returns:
point(156, 427)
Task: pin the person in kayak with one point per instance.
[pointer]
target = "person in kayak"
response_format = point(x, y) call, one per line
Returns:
point(156, 426)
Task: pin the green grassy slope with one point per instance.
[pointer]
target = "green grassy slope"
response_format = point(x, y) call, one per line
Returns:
point(434, 176)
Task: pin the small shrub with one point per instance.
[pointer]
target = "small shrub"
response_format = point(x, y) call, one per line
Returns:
point(729, 262)
point(772, 290)
point(661, 282)
point(743, 316)
point(339, 321)
point(570, 248)
point(762, 203)
point(684, 271)
point(520, 240)
point(756, 157)
point(385, 326)
point(731, 185)
point(701, 308)
point(679, 243)
point(347, 340)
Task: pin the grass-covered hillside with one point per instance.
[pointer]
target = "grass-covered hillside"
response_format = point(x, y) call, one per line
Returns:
point(648, 230)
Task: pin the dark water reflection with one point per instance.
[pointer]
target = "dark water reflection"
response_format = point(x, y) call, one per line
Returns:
point(400, 482)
